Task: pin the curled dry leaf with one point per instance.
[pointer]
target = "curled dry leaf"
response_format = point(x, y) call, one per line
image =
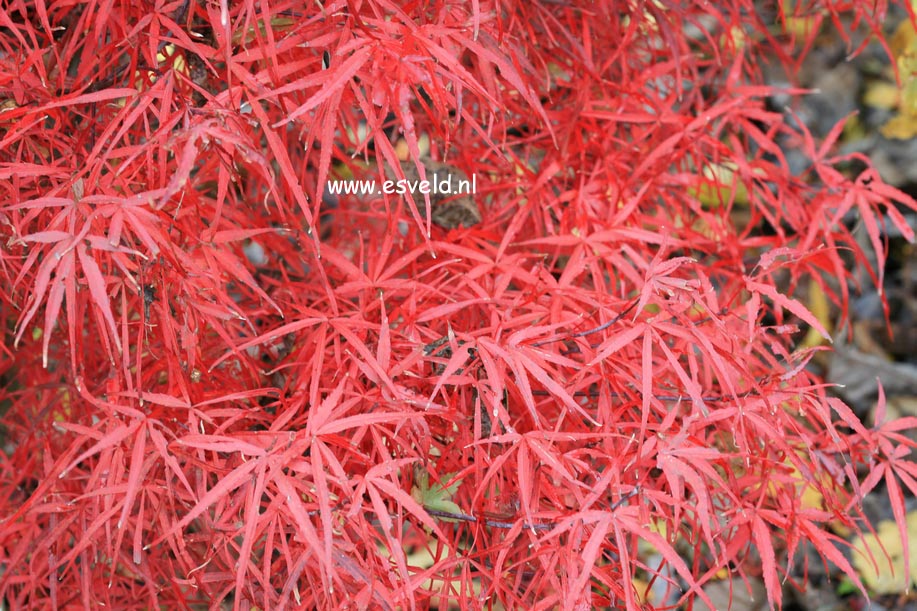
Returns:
point(451, 192)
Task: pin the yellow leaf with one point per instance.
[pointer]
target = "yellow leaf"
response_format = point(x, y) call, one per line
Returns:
point(166, 53)
point(903, 44)
point(643, 591)
point(717, 181)
point(810, 497)
point(881, 95)
point(818, 305)
point(909, 98)
point(887, 576)
point(736, 36)
point(904, 39)
point(800, 27)
point(401, 150)
point(901, 127)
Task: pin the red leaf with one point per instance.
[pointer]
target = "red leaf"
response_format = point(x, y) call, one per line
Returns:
point(98, 290)
point(342, 75)
point(235, 478)
point(762, 537)
point(616, 342)
point(220, 443)
point(90, 98)
point(788, 304)
point(110, 439)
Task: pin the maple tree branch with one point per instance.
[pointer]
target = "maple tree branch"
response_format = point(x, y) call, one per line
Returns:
point(493, 523)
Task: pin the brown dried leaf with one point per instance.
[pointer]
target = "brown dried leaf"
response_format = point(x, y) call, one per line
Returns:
point(450, 209)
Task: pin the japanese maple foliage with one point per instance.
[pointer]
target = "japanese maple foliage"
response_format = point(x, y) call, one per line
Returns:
point(221, 389)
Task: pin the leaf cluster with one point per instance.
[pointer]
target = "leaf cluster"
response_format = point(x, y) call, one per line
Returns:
point(221, 386)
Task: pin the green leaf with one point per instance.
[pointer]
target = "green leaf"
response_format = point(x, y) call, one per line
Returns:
point(435, 497)
point(846, 587)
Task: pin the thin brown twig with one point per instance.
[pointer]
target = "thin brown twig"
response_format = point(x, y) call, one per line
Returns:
point(601, 327)
point(492, 523)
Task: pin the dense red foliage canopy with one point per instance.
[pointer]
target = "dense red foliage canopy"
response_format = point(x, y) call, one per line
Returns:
point(219, 389)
